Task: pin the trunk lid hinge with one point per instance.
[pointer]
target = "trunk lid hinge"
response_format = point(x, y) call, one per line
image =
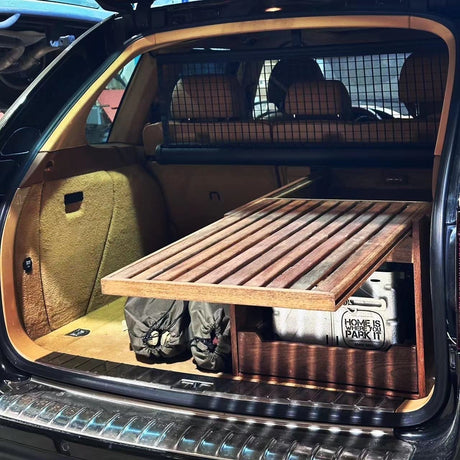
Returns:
point(140, 14)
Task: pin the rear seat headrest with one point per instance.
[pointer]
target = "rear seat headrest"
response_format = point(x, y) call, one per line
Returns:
point(286, 72)
point(422, 82)
point(208, 97)
point(318, 99)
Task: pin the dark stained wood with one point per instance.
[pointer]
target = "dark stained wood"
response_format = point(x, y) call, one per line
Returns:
point(315, 265)
point(418, 300)
point(220, 293)
point(363, 247)
point(394, 369)
point(234, 326)
point(297, 229)
point(296, 253)
point(287, 253)
point(275, 252)
point(401, 369)
point(381, 243)
point(253, 236)
point(402, 253)
point(422, 299)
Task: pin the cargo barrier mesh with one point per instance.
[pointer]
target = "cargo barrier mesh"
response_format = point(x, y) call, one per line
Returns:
point(216, 100)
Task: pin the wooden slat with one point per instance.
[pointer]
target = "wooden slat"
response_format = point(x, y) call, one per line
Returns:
point(275, 217)
point(317, 263)
point(370, 252)
point(234, 258)
point(256, 296)
point(216, 255)
point(317, 233)
point(343, 251)
point(312, 228)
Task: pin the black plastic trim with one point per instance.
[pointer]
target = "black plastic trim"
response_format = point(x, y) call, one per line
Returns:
point(346, 156)
point(312, 51)
point(227, 388)
point(441, 389)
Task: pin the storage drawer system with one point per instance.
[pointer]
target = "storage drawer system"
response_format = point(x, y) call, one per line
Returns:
point(279, 254)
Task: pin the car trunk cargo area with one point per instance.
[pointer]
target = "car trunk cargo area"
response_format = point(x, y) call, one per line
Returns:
point(303, 207)
point(384, 373)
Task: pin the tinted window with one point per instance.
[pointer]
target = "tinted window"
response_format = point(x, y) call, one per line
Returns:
point(103, 113)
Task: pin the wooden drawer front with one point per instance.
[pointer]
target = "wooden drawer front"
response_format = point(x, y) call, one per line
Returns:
point(394, 370)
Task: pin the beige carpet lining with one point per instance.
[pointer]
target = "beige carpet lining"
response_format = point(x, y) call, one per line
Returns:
point(108, 340)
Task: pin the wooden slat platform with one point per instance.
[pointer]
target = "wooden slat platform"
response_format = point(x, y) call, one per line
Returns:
point(275, 252)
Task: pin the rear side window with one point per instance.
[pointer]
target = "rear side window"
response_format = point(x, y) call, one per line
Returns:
point(371, 80)
point(103, 112)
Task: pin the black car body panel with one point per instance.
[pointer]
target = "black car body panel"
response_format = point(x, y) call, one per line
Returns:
point(32, 404)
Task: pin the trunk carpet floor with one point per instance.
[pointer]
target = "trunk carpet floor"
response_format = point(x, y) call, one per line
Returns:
point(107, 343)
point(107, 340)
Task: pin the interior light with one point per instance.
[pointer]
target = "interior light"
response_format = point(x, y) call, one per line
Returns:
point(273, 9)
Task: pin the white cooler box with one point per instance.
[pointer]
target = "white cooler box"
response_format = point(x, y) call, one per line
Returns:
point(369, 319)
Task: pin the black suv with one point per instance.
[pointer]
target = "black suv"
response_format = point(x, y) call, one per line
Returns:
point(229, 230)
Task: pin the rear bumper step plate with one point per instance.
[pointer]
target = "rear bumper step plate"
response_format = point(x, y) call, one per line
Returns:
point(182, 432)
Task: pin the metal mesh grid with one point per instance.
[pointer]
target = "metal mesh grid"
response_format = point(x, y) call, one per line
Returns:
point(363, 99)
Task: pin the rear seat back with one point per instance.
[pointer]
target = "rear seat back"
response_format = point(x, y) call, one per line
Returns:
point(207, 109)
point(288, 71)
point(212, 109)
point(208, 98)
point(324, 99)
point(316, 110)
point(321, 110)
point(421, 89)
